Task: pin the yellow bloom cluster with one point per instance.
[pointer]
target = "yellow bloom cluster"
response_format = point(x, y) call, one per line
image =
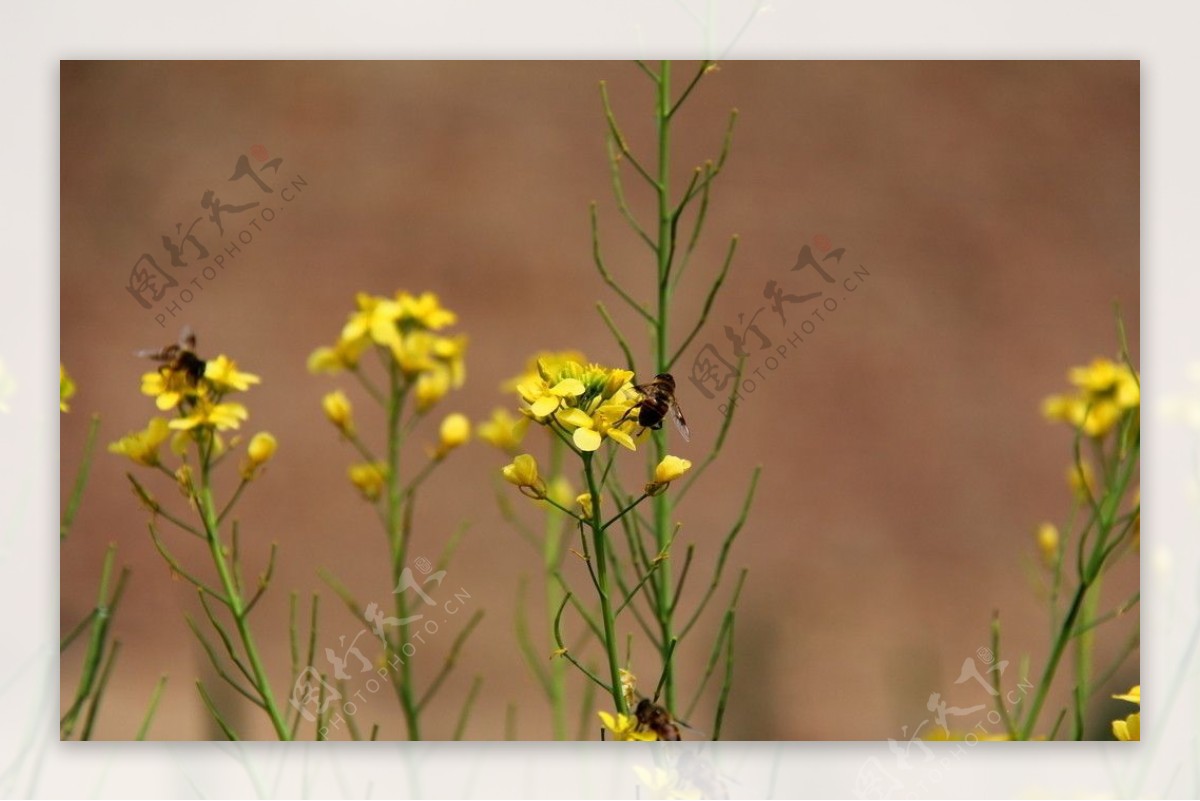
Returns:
point(404, 327)
point(587, 402)
point(1105, 390)
point(200, 398)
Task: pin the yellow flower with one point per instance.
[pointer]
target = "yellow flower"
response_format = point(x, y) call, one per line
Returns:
point(1105, 391)
point(375, 320)
point(168, 387)
point(142, 446)
point(224, 376)
point(66, 389)
point(205, 413)
point(454, 431)
point(1047, 542)
point(625, 727)
point(432, 386)
point(260, 450)
point(1131, 727)
point(343, 355)
point(523, 473)
point(503, 430)
point(338, 410)
point(669, 469)
point(425, 310)
point(546, 357)
point(588, 401)
point(370, 478)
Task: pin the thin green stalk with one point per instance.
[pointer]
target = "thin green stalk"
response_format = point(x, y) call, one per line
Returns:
point(399, 545)
point(606, 607)
point(662, 358)
point(155, 697)
point(556, 682)
point(81, 479)
point(208, 513)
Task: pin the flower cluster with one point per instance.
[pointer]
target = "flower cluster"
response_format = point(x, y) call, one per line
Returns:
point(196, 391)
point(404, 327)
point(1105, 390)
point(588, 403)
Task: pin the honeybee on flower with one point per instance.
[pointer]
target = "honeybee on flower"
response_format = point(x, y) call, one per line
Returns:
point(588, 403)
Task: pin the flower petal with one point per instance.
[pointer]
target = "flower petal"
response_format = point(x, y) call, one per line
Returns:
point(586, 439)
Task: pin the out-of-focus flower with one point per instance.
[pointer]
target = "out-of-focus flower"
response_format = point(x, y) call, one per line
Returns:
point(169, 388)
point(1048, 543)
point(142, 446)
point(223, 374)
point(503, 431)
point(523, 473)
point(1131, 727)
point(66, 389)
point(404, 326)
point(549, 358)
point(1105, 390)
point(339, 411)
point(370, 479)
point(454, 432)
point(207, 414)
point(260, 450)
point(669, 469)
point(625, 727)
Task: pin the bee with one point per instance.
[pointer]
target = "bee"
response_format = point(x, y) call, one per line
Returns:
point(656, 402)
point(178, 358)
point(652, 717)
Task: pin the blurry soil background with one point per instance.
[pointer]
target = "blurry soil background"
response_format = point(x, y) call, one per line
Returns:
point(994, 205)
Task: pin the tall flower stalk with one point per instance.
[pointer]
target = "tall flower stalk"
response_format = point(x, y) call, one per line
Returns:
point(671, 248)
point(197, 392)
point(420, 366)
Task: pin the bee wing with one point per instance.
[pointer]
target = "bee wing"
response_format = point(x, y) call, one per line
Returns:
point(158, 354)
point(680, 423)
point(187, 338)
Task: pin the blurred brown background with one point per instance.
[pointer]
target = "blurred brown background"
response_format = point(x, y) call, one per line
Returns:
point(905, 460)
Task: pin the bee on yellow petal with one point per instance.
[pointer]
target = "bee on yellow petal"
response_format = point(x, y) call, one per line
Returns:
point(625, 727)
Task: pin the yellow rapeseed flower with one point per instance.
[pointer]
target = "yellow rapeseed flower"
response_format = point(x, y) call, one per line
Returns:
point(142, 446)
point(503, 431)
point(1047, 542)
point(669, 469)
point(454, 431)
point(625, 727)
point(589, 402)
point(523, 473)
point(169, 388)
point(370, 478)
point(1105, 390)
point(207, 414)
point(224, 376)
point(585, 503)
point(344, 355)
point(260, 450)
point(66, 389)
point(339, 411)
point(1131, 727)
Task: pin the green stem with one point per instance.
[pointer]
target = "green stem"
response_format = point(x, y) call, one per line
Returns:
point(606, 608)
point(208, 514)
point(551, 550)
point(662, 356)
point(398, 542)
